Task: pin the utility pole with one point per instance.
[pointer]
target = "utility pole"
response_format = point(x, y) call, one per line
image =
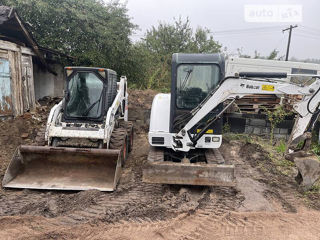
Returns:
point(289, 39)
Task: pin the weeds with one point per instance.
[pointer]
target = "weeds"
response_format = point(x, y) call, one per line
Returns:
point(315, 188)
point(226, 128)
point(238, 136)
point(281, 147)
point(315, 148)
point(275, 154)
point(275, 117)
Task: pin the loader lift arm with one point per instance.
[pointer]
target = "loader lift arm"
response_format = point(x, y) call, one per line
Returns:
point(249, 84)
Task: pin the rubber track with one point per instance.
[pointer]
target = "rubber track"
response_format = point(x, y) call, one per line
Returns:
point(155, 155)
point(214, 156)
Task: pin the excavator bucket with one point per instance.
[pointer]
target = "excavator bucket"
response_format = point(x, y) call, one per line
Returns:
point(59, 168)
point(166, 172)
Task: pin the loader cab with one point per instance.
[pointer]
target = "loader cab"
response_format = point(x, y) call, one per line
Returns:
point(193, 77)
point(89, 92)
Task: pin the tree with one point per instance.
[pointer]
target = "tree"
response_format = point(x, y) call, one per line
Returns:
point(204, 43)
point(167, 38)
point(272, 56)
point(95, 32)
point(162, 41)
point(308, 60)
point(179, 37)
point(98, 34)
point(242, 55)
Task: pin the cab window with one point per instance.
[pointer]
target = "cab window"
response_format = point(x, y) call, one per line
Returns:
point(194, 82)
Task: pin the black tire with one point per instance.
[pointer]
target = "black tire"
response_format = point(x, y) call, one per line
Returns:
point(40, 139)
point(128, 125)
point(119, 141)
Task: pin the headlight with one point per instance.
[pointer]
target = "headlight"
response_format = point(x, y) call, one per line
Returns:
point(215, 139)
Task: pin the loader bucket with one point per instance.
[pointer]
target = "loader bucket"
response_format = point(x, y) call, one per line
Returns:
point(59, 168)
point(189, 174)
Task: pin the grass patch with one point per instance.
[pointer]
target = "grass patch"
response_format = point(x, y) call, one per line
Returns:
point(237, 136)
point(281, 147)
point(226, 128)
point(315, 148)
point(315, 189)
point(276, 155)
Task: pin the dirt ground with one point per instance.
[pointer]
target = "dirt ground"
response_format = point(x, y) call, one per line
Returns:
point(265, 204)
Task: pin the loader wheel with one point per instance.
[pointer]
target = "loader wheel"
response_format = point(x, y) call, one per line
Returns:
point(119, 141)
point(40, 139)
point(129, 127)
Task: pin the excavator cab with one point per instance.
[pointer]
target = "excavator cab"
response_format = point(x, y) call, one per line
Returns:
point(193, 77)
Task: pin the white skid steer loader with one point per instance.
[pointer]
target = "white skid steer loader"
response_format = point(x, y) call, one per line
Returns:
point(86, 140)
point(186, 125)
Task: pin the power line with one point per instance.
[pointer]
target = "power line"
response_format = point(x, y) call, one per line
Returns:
point(247, 30)
point(308, 36)
point(309, 32)
point(241, 31)
point(243, 35)
point(317, 30)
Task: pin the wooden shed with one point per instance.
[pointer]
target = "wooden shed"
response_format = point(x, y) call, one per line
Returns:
point(16, 79)
point(21, 58)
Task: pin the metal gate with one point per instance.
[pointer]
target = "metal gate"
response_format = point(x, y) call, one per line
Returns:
point(5, 88)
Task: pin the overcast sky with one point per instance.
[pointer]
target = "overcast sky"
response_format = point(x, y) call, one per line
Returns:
point(225, 15)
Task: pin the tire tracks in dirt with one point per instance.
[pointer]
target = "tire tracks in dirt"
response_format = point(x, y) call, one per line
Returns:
point(138, 210)
point(204, 225)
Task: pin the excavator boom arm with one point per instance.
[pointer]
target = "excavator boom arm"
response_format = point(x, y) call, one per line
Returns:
point(235, 88)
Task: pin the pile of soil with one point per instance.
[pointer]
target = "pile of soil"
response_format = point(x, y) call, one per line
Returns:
point(19, 131)
point(140, 103)
point(141, 98)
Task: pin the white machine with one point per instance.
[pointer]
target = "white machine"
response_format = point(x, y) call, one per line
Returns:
point(86, 140)
point(184, 131)
point(235, 65)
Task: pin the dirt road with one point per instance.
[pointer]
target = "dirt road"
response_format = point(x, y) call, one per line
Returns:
point(266, 204)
